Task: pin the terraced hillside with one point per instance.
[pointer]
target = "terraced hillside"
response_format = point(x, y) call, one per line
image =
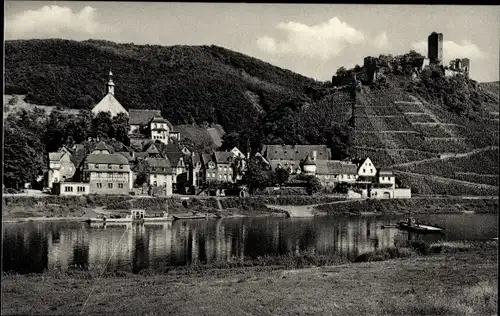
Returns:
point(432, 149)
point(396, 127)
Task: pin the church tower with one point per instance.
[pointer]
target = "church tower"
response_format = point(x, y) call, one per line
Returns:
point(110, 86)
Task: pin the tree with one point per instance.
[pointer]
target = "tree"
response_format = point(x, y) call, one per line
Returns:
point(342, 72)
point(120, 128)
point(55, 133)
point(102, 124)
point(23, 156)
point(236, 166)
point(313, 185)
point(256, 177)
point(280, 176)
point(142, 177)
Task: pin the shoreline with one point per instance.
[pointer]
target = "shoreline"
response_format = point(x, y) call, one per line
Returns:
point(260, 207)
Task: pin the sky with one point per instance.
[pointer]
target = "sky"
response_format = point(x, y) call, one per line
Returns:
point(311, 39)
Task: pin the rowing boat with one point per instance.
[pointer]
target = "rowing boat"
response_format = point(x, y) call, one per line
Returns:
point(420, 227)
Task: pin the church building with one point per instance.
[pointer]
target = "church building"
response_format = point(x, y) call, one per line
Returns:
point(144, 124)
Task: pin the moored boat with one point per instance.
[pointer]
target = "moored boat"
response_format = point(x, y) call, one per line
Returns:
point(194, 216)
point(135, 216)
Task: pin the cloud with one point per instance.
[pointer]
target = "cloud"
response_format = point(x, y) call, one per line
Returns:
point(452, 50)
point(52, 20)
point(381, 41)
point(321, 41)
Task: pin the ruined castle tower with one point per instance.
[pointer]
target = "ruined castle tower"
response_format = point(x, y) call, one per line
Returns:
point(465, 67)
point(435, 48)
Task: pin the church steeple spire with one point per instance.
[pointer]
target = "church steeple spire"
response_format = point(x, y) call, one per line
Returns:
point(110, 85)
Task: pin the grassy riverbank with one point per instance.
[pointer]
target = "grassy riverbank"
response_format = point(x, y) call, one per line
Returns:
point(410, 206)
point(460, 280)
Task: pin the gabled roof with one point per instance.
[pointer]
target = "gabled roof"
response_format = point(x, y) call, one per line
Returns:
point(126, 155)
point(205, 158)
point(115, 159)
point(295, 152)
point(158, 162)
point(385, 172)
point(196, 158)
point(283, 164)
point(223, 157)
point(142, 117)
point(171, 148)
point(141, 155)
point(335, 167)
point(308, 161)
point(175, 159)
point(103, 146)
point(56, 156)
point(152, 149)
point(109, 104)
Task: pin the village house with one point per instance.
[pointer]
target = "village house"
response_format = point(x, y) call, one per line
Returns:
point(366, 171)
point(387, 177)
point(160, 175)
point(331, 172)
point(217, 166)
point(107, 172)
point(291, 156)
point(61, 167)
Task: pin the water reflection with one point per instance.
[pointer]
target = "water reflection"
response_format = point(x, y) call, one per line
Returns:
point(33, 247)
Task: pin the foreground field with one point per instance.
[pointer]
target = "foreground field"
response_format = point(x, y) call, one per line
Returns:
point(460, 281)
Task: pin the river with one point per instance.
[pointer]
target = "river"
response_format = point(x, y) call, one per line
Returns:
point(37, 246)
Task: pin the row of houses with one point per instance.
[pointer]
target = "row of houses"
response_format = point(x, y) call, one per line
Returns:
point(164, 167)
point(107, 170)
point(362, 176)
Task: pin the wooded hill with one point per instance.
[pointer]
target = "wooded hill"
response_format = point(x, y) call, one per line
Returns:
point(257, 103)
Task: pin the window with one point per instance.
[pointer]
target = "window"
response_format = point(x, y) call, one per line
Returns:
point(99, 185)
point(120, 185)
point(121, 166)
point(96, 166)
point(110, 185)
point(154, 176)
point(109, 166)
point(81, 189)
point(155, 183)
point(371, 170)
point(364, 170)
